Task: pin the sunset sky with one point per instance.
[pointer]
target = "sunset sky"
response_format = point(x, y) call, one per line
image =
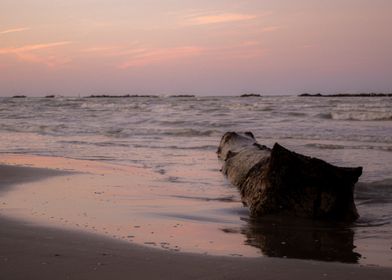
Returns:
point(219, 47)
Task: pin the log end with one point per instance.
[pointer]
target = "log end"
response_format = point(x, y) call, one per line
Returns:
point(234, 142)
point(310, 187)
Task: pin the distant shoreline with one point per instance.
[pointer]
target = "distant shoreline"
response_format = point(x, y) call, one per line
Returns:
point(120, 96)
point(347, 95)
point(371, 94)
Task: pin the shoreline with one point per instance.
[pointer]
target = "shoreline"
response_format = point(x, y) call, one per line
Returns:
point(11, 175)
point(33, 251)
point(126, 203)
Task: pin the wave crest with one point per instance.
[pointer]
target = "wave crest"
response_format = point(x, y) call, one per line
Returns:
point(362, 115)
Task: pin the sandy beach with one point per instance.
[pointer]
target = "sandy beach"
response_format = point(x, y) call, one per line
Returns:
point(32, 252)
point(32, 249)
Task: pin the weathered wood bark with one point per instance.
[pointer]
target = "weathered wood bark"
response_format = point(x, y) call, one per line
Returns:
point(279, 181)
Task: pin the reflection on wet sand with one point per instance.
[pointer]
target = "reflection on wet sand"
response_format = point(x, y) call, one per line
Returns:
point(301, 239)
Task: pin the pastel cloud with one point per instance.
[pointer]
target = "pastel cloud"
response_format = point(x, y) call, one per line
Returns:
point(101, 49)
point(28, 53)
point(50, 61)
point(242, 50)
point(14, 30)
point(32, 47)
point(114, 50)
point(139, 56)
point(270, 28)
point(143, 56)
point(205, 19)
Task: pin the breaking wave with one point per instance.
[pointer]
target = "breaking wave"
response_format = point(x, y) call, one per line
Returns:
point(362, 116)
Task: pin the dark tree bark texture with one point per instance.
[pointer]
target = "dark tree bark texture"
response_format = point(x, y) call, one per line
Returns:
point(279, 181)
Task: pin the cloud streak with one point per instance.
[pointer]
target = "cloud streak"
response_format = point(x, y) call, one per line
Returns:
point(138, 57)
point(217, 18)
point(28, 53)
point(33, 47)
point(271, 28)
point(144, 57)
point(14, 30)
point(113, 50)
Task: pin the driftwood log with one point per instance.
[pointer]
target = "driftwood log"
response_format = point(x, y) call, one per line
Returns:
point(279, 181)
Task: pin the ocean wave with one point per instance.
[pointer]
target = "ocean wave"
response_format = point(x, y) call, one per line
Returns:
point(114, 106)
point(361, 116)
point(55, 129)
point(297, 114)
point(374, 204)
point(364, 222)
point(374, 192)
point(115, 132)
point(323, 146)
point(97, 144)
point(326, 116)
point(176, 147)
point(74, 142)
point(111, 144)
point(247, 107)
point(191, 132)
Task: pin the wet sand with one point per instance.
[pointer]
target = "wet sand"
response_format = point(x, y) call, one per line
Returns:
point(126, 203)
point(29, 250)
point(32, 252)
point(13, 175)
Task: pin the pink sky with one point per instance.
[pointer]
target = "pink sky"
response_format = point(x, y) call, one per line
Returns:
point(82, 47)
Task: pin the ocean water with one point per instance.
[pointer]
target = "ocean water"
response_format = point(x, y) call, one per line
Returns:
point(177, 137)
